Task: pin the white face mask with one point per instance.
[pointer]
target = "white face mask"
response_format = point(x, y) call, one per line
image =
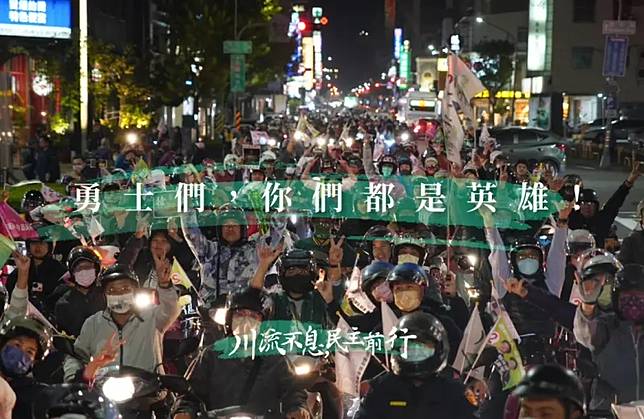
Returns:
point(85, 278)
point(528, 266)
point(243, 325)
point(407, 259)
point(120, 304)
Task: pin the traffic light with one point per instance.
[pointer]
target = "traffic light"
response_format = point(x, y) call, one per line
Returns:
point(302, 26)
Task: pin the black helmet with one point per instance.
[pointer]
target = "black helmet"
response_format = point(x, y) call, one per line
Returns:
point(408, 273)
point(631, 278)
point(388, 160)
point(247, 299)
point(377, 232)
point(405, 160)
point(552, 381)
point(32, 199)
point(27, 326)
point(421, 361)
point(116, 272)
point(300, 284)
point(230, 212)
point(578, 241)
point(572, 179)
point(376, 271)
point(80, 253)
point(527, 243)
point(75, 400)
point(588, 195)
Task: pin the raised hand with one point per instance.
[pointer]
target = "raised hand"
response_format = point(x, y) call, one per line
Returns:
point(324, 287)
point(22, 262)
point(336, 252)
point(163, 268)
point(267, 255)
point(514, 286)
point(635, 173)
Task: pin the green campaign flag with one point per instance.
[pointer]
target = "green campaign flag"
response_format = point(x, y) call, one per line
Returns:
point(7, 246)
point(509, 362)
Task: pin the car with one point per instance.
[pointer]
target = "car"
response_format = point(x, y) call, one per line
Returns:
point(620, 130)
point(534, 145)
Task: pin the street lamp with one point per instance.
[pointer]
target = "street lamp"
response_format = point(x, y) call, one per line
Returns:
point(479, 19)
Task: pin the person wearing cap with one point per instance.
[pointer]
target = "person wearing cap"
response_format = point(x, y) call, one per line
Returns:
point(598, 220)
point(124, 334)
point(227, 261)
point(82, 297)
point(44, 273)
point(549, 392)
point(633, 245)
point(615, 339)
point(415, 387)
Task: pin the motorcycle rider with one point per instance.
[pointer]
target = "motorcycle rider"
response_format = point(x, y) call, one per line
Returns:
point(550, 392)
point(226, 262)
point(598, 220)
point(83, 297)
point(413, 291)
point(615, 338)
point(139, 331)
point(24, 341)
point(44, 274)
point(261, 384)
point(414, 388)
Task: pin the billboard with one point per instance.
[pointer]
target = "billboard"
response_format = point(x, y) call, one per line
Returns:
point(36, 18)
point(539, 35)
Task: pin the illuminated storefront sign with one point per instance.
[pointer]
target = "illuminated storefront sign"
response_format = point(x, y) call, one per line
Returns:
point(36, 18)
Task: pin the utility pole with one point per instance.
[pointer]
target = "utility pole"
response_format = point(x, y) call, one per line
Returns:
point(84, 73)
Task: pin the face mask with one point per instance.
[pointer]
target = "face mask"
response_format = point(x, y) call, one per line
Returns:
point(590, 297)
point(418, 352)
point(382, 293)
point(297, 284)
point(231, 171)
point(631, 308)
point(407, 301)
point(387, 171)
point(15, 362)
point(85, 278)
point(605, 300)
point(528, 266)
point(407, 259)
point(242, 325)
point(120, 304)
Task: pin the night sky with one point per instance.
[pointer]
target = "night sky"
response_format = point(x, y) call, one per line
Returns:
point(358, 58)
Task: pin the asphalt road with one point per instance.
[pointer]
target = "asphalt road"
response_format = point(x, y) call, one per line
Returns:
point(606, 182)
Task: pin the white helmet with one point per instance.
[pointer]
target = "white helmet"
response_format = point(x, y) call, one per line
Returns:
point(267, 156)
point(579, 240)
point(231, 160)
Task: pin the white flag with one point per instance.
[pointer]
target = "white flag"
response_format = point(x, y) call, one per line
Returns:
point(95, 229)
point(473, 340)
point(389, 319)
point(464, 79)
point(350, 366)
point(485, 136)
point(461, 85)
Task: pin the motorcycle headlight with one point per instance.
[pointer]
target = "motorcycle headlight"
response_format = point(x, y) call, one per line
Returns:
point(302, 369)
point(241, 417)
point(143, 300)
point(219, 315)
point(118, 389)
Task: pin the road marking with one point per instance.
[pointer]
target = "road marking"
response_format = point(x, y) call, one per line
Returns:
point(587, 167)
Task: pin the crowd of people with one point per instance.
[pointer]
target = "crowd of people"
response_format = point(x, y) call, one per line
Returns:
point(576, 303)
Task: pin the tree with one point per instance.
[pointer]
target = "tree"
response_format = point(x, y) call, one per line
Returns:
point(198, 29)
point(494, 66)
